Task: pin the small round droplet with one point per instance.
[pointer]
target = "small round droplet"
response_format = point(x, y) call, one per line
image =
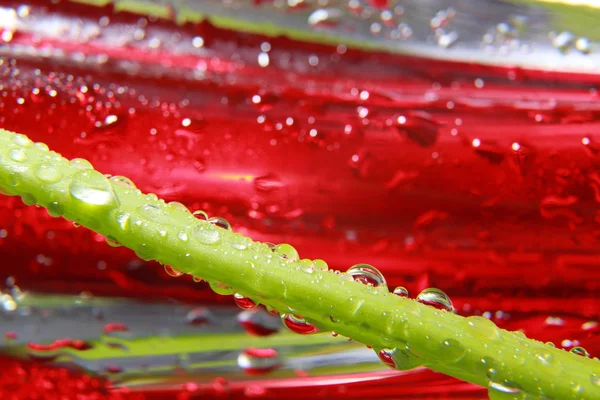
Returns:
point(386, 356)
point(482, 327)
point(580, 351)
point(451, 350)
point(112, 242)
point(21, 140)
point(243, 302)
point(401, 291)
point(306, 266)
point(320, 265)
point(183, 236)
point(435, 298)
point(172, 271)
point(367, 275)
point(123, 182)
point(258, 361)
point(92, 188)
point(220, 222)
point(178, 206)
point(221, 288)
point(206, 235)
point(298, 324)
point(201, 215)
point(504, 391)
point(81, 164)
point(18, 155)
point(48, 174)
point(287, 251)
point(595, 379)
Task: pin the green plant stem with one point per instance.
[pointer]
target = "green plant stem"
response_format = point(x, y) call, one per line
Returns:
point(472, 349)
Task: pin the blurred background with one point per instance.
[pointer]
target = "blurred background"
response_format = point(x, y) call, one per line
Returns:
point(451, 144)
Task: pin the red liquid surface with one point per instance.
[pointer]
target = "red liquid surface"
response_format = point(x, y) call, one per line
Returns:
point(491, 193)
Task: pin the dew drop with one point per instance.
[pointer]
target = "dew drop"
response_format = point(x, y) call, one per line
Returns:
point(48, 174)
point(206, 235)
point(435, 298)
point(367, 275)
point(92, 188)
point(199, 316)
point(243, 302)
point(298, 324)
point(257, 322)
point(172, 271)
point(401, 291)
point(580, 351)
point(183, 236)
point(482, 327)
point(220, 222)
point(21, 140)
point(306, 266)
point(221, 288)
point(451, 350)
point(123, 182)
point(320, 265)
point(17, 155)
point(504, 391)
point(201, 215)
point(258, 361)
point(112, 242)
point(595, 379)
point(287, 251)
point(386, 356)
point(81, 164)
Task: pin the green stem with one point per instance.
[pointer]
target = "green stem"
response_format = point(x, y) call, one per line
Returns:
point(472, 349)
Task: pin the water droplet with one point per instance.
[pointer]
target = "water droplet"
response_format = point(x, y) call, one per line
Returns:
point(92, 188)
point(306, 266)
point(220, 222)
point(595, 379)
point(172, 271)
point(386, 356)
point(183, 236)
point(482, 327)
point(206, 235)
point(583, 45)
point(298, 324)
point(81, 164)
point(123, 182)
point(112, 242)
point(401, 291)
point(267, 183)
point(320, 265)
point(325, 17)
point(243, 302)
point(435, 298)
point(21, 140)
point(418, 126)
point(367, 275)
point(504, 391)
point(258, 361)
point(199, 316)
point(201, 215)
point(563, 41)
point(152, 213)
point(221, 288)
point(17, 155)
point(580, 351)
point(286, 251)
point(257, 322)
point(48, 174)
point(451, 350)
point(239, 242)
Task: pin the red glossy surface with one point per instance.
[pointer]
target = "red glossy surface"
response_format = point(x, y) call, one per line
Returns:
point(490, 193)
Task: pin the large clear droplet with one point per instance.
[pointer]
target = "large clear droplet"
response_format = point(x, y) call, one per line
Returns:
point(298, 324)
point(48, 174)
point(580, 351)
point(123, 182)
point(91, 187)
point(258, 361)
point(367, 275)
point(206, 235)
point(435, 298)
point(401, 291)
point(243, 302)
point(220, 222)
point(286, 251)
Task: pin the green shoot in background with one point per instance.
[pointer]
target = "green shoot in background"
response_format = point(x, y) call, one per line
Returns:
point(409, 333)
